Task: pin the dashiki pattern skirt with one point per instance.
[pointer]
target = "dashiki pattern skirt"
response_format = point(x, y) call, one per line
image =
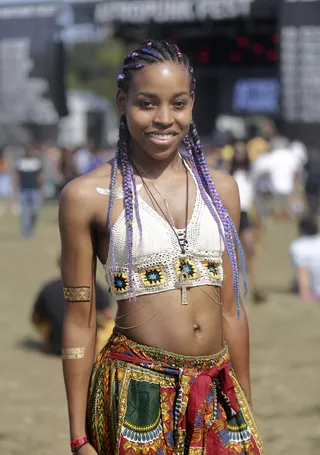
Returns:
point(144, 400)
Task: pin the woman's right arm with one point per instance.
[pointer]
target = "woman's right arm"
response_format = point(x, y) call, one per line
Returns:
point(79, 331)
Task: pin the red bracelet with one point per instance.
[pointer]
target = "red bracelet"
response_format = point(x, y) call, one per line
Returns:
point(77, 443)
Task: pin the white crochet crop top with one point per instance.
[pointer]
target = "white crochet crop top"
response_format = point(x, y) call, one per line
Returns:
point(158, 262)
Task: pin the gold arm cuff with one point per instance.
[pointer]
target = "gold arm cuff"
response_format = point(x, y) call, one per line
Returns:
point(77, 293)
point(73, 353)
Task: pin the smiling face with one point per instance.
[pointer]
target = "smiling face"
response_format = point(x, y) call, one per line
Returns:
point(158, 108)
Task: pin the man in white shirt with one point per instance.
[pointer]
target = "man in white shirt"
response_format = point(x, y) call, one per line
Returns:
point(305, 255)
point(283, 171)
point(274, 173)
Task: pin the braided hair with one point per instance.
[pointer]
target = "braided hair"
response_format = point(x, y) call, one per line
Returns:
point(152, 52)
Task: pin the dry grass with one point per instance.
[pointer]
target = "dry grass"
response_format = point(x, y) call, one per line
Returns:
point(285, 339)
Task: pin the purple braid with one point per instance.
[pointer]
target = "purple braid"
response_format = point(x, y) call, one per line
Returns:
point(128, 198)
point(201, 185)
point(230, 233)
point(114, 171)
point(130, 194)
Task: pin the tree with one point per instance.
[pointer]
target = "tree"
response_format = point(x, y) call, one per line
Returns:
point(95, 66)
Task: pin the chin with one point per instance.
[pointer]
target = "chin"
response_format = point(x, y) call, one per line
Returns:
point(162, 154)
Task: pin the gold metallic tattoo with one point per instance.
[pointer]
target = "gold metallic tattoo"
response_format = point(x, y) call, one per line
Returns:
point(77, 293)
point(73, 353)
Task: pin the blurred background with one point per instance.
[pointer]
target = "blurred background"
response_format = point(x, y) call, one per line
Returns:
point(257, 110)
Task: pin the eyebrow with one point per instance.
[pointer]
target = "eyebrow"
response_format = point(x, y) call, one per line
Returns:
point(153, 95)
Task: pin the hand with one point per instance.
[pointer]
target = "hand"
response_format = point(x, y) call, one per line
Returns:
point(87, 449)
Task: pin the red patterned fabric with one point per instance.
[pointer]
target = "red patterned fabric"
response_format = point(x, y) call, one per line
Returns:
point(148, 401)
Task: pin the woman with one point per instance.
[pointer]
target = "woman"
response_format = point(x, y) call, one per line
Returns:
point(240, 170)
point(163, 384)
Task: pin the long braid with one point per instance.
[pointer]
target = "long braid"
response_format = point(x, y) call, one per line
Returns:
point(115, 165)
point(128, 196)
point(153, 52)
point(230, 231)
point(134, 183)
point(228, 240)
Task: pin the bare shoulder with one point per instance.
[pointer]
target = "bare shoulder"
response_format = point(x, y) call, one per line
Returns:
point(228, 191)
point(80, 196)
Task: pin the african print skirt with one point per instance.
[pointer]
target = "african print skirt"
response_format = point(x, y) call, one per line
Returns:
point(144, 400)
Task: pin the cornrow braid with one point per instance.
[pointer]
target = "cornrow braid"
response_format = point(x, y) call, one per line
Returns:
point(152, 52)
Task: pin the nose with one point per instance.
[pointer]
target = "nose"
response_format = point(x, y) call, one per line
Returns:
point(164, 116)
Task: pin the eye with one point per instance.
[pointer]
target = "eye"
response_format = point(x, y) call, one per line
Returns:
point(180, 104)
point(146, 104)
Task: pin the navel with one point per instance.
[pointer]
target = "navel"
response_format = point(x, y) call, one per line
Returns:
point(196, 327)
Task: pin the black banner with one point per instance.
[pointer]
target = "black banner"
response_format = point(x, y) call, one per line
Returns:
point(300, 61)
point(31, 65)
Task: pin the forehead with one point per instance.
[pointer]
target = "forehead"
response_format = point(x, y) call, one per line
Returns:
point(160, 79)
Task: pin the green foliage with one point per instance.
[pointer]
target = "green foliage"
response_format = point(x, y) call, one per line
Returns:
point(95, 66)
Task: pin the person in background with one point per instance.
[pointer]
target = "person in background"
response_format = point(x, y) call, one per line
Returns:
point(97, 158)
point(305, 255)
point(82, 157)
point(5, 181)
point(67, 167)
point(283, 170)
point(298, 198)
point(28, 181)
point(48, 313)
point(256, 143)
point(213, 156)
point(240, 170)
point(312, 187)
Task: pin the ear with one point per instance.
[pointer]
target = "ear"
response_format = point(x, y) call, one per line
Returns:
point(192, 97)
point(121, 101)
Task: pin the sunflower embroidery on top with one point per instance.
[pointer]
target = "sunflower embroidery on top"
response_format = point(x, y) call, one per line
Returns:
point(121, 282)
point(188, 267)
point(214, 269)
point(153, 276)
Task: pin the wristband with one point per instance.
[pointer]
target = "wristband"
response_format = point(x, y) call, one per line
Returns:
point(77, 443)
point(76, 450)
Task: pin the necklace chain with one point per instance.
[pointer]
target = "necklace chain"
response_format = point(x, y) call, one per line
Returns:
point(182, 242)
point(158, 191)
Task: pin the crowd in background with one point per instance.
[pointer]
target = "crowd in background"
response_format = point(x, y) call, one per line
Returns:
point(278, 179)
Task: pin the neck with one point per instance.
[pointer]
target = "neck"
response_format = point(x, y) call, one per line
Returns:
point(156, 168)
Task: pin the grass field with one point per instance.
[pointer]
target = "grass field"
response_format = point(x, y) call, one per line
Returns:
point(285, 347)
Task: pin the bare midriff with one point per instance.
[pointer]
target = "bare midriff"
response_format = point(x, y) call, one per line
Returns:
point(160, 320)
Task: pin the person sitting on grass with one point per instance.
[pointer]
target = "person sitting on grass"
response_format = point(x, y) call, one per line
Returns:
point(305, 255)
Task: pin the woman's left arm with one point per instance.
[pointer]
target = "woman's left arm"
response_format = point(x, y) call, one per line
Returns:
point(236, 331)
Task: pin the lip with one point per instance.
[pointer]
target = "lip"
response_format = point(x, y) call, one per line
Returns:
point(174, 133)
point(166, 141)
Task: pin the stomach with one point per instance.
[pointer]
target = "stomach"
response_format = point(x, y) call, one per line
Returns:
point(161, 321)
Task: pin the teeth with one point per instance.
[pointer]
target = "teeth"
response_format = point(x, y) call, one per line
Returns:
point(162, 137)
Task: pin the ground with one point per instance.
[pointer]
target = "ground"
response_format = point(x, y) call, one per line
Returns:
point(285, 354)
